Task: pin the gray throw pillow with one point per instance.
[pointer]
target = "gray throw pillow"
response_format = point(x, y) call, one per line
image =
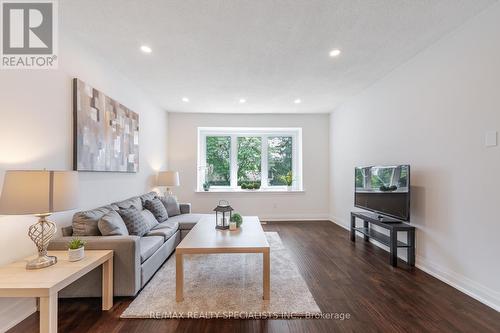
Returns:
point(85, 223)
point(151, 220)
point(111, 224)
point(156, 207)
point(148, 196)
point(172, 206)
point(135, 221)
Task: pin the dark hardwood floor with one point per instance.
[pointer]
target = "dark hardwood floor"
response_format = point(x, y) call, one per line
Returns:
point(342, 276)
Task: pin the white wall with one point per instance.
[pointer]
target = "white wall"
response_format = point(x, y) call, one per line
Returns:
point(312, 204)
point(36, 133)
point(433, 113)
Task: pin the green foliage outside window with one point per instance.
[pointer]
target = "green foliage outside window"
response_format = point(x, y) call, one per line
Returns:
point(279, 159)
point(249, 160)
point(218, 160)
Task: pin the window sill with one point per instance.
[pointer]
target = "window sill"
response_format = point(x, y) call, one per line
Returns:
point(226, 190)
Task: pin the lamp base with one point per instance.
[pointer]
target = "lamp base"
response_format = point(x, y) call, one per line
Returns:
point(41, 233)
point(41, 262)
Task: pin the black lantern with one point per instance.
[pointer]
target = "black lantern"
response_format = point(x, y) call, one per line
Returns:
point(223, 213)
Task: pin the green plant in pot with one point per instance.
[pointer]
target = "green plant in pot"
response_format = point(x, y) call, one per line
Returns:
point(76, 249)
point(236, 218)
point(206, 186)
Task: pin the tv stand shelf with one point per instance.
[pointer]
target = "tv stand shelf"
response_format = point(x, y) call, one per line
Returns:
point(380, 237)
point(394, 226)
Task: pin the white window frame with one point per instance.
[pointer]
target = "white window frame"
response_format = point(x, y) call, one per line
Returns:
point(264, 133)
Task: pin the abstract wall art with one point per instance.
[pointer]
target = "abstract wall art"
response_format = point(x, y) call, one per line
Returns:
point(106, 133)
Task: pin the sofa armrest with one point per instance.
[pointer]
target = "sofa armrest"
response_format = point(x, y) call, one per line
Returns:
point(185, 208)
point(126, 258)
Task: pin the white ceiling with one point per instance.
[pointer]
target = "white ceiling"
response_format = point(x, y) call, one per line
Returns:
point(269, 52)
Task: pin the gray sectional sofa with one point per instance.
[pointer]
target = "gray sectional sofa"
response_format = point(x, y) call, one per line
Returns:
point(136, 259)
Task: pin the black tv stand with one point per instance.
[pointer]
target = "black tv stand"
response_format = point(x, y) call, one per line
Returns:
point(394, 226)
point(384, 219)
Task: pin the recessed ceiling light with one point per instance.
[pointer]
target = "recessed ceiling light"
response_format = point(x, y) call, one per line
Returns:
point(298, 101)
point(242, 101)
point(185, 99)
point(334, 53)
point(146, 49)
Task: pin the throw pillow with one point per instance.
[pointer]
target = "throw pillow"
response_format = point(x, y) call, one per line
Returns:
point(85, 223)
point(156, 207)
point(150, 218)
point(111, 224)
point(172, 206)
point(134, 220)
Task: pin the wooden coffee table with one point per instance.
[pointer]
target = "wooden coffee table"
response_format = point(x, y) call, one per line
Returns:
point(45, 283)
point(205, 239)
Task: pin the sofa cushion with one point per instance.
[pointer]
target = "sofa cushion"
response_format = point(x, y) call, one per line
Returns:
point(85, 223)
point(164, 231)
point(150, 219)
point(112, 207)
point(172, 205)
point(134, 220)
point(156, 207)
point(131, 202)
point(148, 196)
point(149, 245)
point(168, 224)
point(187, 221)
point(111, 224)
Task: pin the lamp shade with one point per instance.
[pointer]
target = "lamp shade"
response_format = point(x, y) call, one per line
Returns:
point(38, 192)
point(168, 178)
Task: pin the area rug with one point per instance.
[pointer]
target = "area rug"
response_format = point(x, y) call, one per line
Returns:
point(227, 286)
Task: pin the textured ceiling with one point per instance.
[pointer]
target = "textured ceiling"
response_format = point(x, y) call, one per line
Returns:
point(268, 52)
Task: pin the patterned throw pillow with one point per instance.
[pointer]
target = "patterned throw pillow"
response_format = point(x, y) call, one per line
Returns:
point(156, 207)
point(135, 221)
point(172, 206)
point(150, 219)
point(111, 224)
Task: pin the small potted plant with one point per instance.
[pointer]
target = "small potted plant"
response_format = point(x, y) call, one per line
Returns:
point(288, 179)
point(76, 249)
point(206, 186)
point(236, 221)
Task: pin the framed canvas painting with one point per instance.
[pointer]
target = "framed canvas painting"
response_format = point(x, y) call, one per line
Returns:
point(106, 133)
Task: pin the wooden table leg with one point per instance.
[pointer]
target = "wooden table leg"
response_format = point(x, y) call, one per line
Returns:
point(266, 275)
point(48, 314)
point(179, 277)
point(107, 284)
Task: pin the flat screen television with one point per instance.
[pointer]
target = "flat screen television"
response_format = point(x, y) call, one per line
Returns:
point(384, 190)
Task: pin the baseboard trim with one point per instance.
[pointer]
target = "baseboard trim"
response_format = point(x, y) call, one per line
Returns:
point(467, 286)
point(461, 283)
point(294, 217)
point(16, 311)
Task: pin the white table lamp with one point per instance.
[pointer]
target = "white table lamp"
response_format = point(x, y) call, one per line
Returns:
point(168, 179)
point(40, 193)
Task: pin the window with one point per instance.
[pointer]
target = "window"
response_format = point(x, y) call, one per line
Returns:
point(257, 158)
point(218, 153)
point(249, 160)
